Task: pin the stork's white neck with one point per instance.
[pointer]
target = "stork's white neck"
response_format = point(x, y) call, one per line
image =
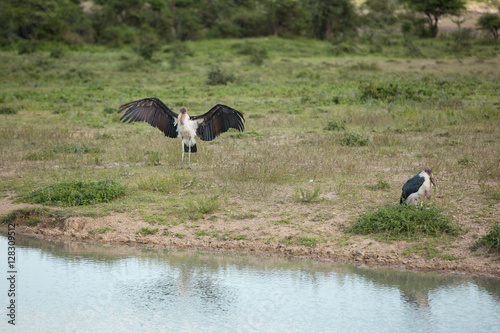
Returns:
point(184, 118)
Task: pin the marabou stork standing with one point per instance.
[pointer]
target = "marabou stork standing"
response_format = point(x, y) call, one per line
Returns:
point(418, 186)
point(208, 126)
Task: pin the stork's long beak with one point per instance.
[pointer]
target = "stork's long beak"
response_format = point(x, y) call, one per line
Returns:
point(433, 181)
point(176, 121)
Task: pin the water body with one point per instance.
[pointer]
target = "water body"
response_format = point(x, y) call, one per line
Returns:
point(68, 287)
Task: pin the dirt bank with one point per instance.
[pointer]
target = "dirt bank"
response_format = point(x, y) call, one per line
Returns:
point(121, 228)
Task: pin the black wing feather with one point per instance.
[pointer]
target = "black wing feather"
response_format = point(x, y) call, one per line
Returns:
point(154, 112)
point(218, 120)
point(412, 186)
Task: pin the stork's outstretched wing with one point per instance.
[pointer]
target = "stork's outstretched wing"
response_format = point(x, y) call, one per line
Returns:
point(154, 112)
point(218, 120)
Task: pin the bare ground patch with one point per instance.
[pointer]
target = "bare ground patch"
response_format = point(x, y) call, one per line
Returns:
point(290, 230)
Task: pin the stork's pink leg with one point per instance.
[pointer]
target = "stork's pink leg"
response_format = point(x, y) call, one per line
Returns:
point(182, 160)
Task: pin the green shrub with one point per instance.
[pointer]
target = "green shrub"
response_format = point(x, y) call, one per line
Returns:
point(378, 92)
point(7, 110)
point(335, 125)
point(146, 231)
point(147, 47)
point(256, 52)
point(218, 77)
point(57, 52)
point(179, 51)
point(491, 240)
point(352, 139)
point(404, 222)
point(207, 205)
point(76, 193)
point(27, 47)
point(343, 48)
point(306, 241)
point(30, 216)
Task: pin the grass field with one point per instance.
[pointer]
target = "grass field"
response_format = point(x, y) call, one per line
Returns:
point(330, 131)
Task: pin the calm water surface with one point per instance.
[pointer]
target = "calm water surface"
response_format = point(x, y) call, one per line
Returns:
point(83, 288)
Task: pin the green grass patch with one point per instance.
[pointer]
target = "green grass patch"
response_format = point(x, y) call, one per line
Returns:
point(244, 216)
point(381, 185)
point(303, 240)
point(404, 222)
point(153, 157)
point(491, 191)
point(104, 230)
point(201, 233)
point(33, 216)
point(56, 150)
point(29, 216)
point(283, 221)
point(207, 205)
point(491, 240)
point(146, 231)
point(307, 195)
point(168, 183)
point(230, 236)
point(7, 110)
point(432, 248)
point(76, 193)
point(354, 140)
point(335, 125)
point(219, 77)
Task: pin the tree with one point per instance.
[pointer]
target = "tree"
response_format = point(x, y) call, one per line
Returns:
point(490, 23)
point(41, 20)
point(330, 18)
point(380, 13)
point(285, 17)
point(435, 9)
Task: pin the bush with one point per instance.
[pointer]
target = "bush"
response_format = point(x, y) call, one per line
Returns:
point(7, 110)
point(490, 23)
point(116, 36)
point(377, 92)
point(57, 52)
point(354, 140)
point(491, 240)
point(76, 193)
point(218, 77)
point(147, 47)
point(27, 47)
point(257, 53)
point(404, 222)
point(335, 125)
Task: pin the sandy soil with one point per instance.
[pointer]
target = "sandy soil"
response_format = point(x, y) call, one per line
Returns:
point(262, 239)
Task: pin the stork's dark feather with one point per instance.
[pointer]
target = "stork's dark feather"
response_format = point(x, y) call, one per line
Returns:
point(411, 186)
point(154, 112)
point(218, 120)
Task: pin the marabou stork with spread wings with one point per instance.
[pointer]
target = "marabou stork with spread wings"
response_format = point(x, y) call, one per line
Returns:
point(418, 186)
point(208, 126)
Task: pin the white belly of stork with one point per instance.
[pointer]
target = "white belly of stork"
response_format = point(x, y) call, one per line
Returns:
point(187, 131)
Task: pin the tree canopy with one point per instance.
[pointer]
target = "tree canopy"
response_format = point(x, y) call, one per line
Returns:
point(490, 23)
point(435, 9)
